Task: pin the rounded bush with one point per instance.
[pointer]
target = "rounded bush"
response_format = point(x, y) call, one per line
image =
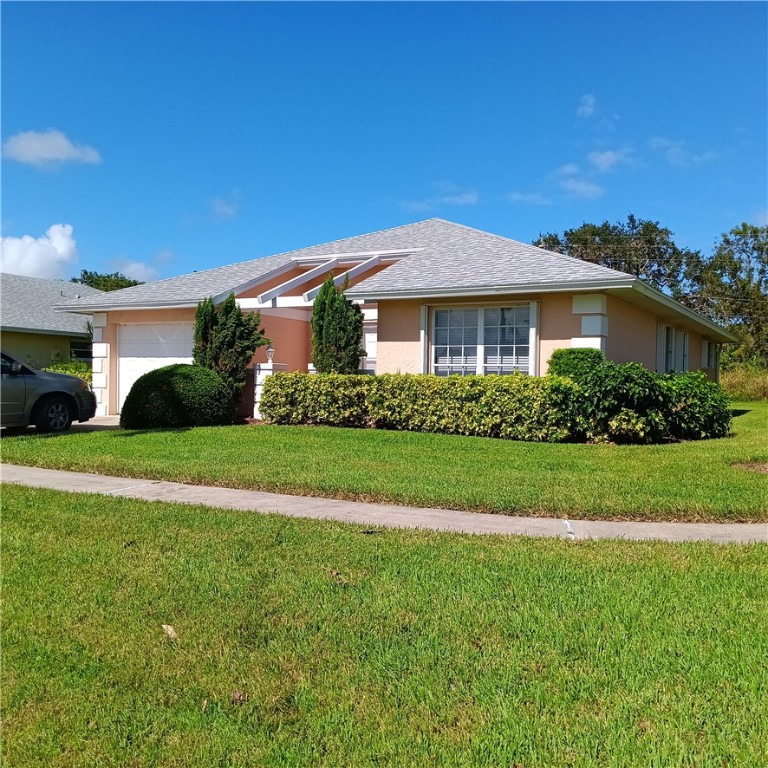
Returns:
point(177, 396)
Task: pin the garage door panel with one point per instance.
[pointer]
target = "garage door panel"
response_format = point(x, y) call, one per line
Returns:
point(143, 348)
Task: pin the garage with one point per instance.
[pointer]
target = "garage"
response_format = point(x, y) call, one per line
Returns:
point(142, 348)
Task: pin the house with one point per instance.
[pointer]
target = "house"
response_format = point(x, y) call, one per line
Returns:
point(437, 297)
point(32, 331)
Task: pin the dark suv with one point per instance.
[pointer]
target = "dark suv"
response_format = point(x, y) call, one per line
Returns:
point(50, 401)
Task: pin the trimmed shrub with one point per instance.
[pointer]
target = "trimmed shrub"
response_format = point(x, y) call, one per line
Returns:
point(575, 363)
point(515, 407)
point(696, 407)
point(177, 396)
point(333, 399)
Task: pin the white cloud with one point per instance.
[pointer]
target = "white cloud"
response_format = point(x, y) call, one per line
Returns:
point(448, 194)
point(135, 270)
point(587, 104)
point(676, 152)
point(569, 169)
point(48, 256)
point(47, 148)
point(605, 161)
point(529, 198)
point(226, 209)
point(581, 188)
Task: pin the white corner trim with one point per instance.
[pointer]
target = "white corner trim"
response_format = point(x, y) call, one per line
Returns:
point(99, 320)
point(533, 340)
point(423, 338)
point(100, 349)
point(589, 342)
point(590, 304)
point(594, 325)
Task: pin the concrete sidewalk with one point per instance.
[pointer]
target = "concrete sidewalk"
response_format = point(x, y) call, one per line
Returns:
point(380, 515)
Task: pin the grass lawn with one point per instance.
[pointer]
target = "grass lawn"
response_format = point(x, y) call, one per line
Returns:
point(320, 644)
point(685, 481)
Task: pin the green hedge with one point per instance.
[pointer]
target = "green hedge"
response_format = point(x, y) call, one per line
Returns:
point(518, 407)
point(177, 396)
point(619, 403)
point(77, 368)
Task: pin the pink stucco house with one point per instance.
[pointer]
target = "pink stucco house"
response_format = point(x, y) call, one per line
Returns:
point(438, 297)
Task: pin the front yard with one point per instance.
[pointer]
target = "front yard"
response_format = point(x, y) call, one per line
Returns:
point(705, 480)
point(322, 644)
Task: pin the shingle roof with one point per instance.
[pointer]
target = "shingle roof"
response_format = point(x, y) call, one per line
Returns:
point(26, 303)
point(456, 257)
point(447, 256)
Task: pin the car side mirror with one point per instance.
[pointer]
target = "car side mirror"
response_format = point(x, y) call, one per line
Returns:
point(15, 367)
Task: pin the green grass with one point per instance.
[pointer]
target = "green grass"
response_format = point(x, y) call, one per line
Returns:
point(685, 481)
point(354, 648)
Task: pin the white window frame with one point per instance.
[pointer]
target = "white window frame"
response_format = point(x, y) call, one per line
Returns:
point(533, 333)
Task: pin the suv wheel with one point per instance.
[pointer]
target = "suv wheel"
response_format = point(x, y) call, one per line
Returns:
point(54, 414)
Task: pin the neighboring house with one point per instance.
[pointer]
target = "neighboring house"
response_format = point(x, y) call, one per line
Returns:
point(31, 330)
point(437, 297)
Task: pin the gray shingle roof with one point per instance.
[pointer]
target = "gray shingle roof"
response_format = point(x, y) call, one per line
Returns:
point(449, 256)
point(456, 257)
point(26, 303)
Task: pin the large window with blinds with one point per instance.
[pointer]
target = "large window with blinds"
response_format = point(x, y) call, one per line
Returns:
point(482, 340)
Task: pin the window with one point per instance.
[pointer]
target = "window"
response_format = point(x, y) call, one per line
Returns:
point(482, 340)
point(674, 352)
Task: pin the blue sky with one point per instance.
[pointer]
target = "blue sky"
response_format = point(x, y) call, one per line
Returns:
point(160, 138)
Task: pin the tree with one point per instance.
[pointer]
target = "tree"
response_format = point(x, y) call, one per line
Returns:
point(733, 290)
point(337, 331)
point(113, 281)
point(640, 247)
point(225, 341)
point(205, 319)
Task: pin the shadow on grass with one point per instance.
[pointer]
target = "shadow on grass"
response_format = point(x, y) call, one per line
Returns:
point(148, 431)
point(736, 412)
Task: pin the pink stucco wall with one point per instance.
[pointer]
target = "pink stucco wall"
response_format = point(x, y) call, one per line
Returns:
point(631, 334)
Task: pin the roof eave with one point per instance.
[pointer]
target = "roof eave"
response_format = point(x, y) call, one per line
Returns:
point(667, 301)
point(46, 331)
point(89, 309)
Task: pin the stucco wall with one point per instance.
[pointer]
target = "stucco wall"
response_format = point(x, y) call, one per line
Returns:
point(399, 344)
point(35, 349)
point(557, 326)
point(631, 334)
point(631, 331)
point(291, 339)
point(399, 337)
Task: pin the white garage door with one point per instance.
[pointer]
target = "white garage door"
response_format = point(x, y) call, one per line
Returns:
point(142, 348)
